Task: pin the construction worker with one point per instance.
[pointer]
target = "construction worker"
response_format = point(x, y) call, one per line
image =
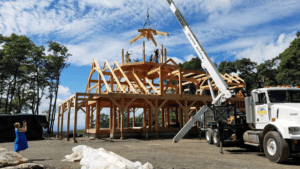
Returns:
point(150, 59)
point(127, 57)
point(156, 55)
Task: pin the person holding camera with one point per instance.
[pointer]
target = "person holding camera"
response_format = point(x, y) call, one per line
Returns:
point(20, 141)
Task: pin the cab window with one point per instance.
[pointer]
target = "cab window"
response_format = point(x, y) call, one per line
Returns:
point(262, 99)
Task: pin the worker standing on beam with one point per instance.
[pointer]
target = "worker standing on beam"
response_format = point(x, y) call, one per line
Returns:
point(156, 55)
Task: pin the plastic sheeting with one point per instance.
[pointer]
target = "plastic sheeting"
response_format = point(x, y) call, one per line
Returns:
point(102, 159)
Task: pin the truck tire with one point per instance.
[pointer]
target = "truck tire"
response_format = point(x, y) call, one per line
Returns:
point(275, 147)
point(216, 140)
point(208, 135)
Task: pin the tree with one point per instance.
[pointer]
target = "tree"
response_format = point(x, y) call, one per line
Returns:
point(268, 70)
point(193, 64)
point(14, 55)
point(289, 68)
point(227, 67)
point(298, 34)
point(247, 69)
point(56, 62)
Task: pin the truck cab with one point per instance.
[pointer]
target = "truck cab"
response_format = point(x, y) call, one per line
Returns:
point(278, 106)
point(274, 114)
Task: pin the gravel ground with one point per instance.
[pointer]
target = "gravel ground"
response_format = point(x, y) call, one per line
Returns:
point(161, 153)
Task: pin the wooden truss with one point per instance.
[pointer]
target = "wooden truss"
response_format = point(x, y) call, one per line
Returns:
point(148, 33)
point(130, 86)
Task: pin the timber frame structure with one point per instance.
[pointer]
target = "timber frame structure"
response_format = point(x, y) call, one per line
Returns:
point(127, 87)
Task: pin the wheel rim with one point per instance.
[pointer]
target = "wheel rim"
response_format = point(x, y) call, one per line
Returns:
point(271, 147)
point(215, 138)
point(207, 136)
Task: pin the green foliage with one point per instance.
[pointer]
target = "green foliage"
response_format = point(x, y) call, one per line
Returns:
point(298, 34)
point(268, 70)
point(26, 72)
point(227, 67)
point(289, 68)
point(193, 64)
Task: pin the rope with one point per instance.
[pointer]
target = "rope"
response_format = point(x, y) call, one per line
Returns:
point(136, 50)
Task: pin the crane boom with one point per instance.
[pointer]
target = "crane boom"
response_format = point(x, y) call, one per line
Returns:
point(207, 64)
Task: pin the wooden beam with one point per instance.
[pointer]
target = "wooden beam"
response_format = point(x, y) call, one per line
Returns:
point(126, 78)
point(140, 83)
point(95, 85)
point(151, 85)
point(102, 76)
point(68, 120)
point(114, 101)
point(62, 121)
point(115, 77)
point(75, 118)
point(161, 81)
point(153, 71)
point(156, 118)
point(128, 104)
point(98, 109)
point(122, 118)
point(144, 55)
point(165, 54)
point(150, 104)
point(122, 56)
point(87, 118)
point(58, 120)
point(180, 82)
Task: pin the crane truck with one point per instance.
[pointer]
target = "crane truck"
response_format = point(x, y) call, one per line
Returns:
point(271, 119)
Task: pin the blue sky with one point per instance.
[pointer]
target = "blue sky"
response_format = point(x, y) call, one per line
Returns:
point(227, 29)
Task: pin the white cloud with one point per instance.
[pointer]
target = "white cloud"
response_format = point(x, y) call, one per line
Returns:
point(189, 57)
point(177, 60)
point(264, 51)
point(64, 91)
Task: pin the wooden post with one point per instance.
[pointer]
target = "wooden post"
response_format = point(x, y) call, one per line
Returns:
point(119, 118)
point(168, 116)
point(111, 117)
point(162, 54)
point(133, 118)
point(121, 110)
point(58, 120)
point(75, 119)
point(180, 82)
point(122, 56)
point(87, 117)
point(165, 54)
point(186, 112)
point(150, 118)
point(176, 112)
point(161, 81)
point(98, 116)
point(111, 83)
point(144, 55)
point(62, 121)
point(128, 118)
point(68, 121)
point(156, 118)
point(180, 117)
point(163, 116)
point(99, 83)
point(114, 121)
point(91, 117)
point(144, 118)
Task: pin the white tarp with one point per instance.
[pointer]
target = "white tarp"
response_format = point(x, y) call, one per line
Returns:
point(102, 159)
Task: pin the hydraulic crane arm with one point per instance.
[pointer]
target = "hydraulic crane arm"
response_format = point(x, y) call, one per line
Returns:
point(206, 62)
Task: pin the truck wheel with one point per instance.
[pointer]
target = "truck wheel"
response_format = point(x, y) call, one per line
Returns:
point(275, 147)
point(216, 140)
point(208, 135)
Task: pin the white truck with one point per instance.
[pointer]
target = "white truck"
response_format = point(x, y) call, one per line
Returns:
point(271, 119)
